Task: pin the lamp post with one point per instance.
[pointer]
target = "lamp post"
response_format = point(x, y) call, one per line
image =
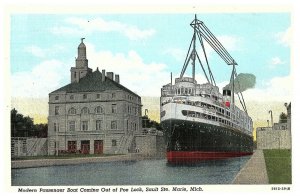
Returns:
point(146, 116)
point(270, 111)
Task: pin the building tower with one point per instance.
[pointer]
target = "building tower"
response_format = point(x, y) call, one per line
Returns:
point(81, 64)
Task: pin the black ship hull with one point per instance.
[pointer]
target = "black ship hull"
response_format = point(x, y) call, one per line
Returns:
point(190, 141)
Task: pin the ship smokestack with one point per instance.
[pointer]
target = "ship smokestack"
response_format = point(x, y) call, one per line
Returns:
point(227, 96)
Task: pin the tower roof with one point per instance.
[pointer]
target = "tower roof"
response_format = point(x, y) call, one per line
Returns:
point(82, 45)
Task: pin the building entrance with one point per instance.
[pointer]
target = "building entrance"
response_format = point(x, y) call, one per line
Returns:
point(85, 147)
point(72, 146)
point(98, 147)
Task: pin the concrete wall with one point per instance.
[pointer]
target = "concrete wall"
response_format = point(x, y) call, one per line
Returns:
point(29, 147)
point(152, 145)
point(273, 139)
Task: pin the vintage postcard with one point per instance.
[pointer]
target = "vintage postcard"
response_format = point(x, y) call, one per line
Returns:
point(157, 99)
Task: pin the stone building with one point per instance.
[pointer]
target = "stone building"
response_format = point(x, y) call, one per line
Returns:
point(276, 137)
point(94, 114)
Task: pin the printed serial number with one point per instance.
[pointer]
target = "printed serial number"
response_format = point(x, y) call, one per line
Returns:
point(280, 188)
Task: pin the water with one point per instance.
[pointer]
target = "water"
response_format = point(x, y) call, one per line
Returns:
point(145, 172)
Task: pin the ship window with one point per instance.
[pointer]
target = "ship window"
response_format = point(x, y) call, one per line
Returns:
point(184, 112)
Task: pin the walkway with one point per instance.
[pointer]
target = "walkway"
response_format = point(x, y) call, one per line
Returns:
point(71, 161)
point(254, 172)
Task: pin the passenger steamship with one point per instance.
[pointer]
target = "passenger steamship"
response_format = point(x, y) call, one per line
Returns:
point(200, 122)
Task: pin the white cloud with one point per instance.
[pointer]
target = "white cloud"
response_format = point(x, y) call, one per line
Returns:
point(65, 31)
point(82, 26)
point(35, 51)
point(277, 89)
point(43, 52)
point(276, 61)
point(177, 53)
point(40, 81)
point(145, 79)
point(284, 37)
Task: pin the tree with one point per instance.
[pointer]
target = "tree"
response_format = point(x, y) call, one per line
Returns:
point(20, 125)
point(24, 127)
point(41, 130)
point(282, 118)
point(148, 123)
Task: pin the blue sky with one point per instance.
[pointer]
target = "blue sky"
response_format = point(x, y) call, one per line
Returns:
point(145, 47)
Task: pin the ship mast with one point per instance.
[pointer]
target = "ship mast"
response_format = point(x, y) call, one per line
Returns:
point(200, 32)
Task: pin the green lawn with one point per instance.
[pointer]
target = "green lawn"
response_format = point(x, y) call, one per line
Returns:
point(278, 163)
point(62, 156)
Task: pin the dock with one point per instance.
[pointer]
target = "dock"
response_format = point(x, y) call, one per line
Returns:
point(254, 171)
point(18, 164)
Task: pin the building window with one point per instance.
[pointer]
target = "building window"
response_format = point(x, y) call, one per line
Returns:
point(72, 126)
point(113, 108)
point(56, 127)
point(84, 96)
point(113, 142)
point(99, 110)
point(85, 110)
point(75, 75)
point(56, 110)
point(56, 98)
point(72, 111)
point(113, 95)
point(98, 96)
point(113, 124)
point(84, 125)
point(98, 124)
point(72, 97)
